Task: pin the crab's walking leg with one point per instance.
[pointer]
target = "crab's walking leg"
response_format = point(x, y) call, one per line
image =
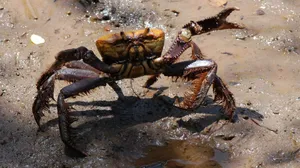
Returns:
point(222, 93)
point(224, 96)
point(64, 119)
point(112, 84)
point(151, 80)
point(91, 67)
point(202, 73)
point(81, 53)
point(46, 91)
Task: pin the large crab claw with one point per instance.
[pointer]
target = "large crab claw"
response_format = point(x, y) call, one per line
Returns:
point(217, 22)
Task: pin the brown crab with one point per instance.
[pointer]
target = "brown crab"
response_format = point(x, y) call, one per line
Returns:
point(133, 54)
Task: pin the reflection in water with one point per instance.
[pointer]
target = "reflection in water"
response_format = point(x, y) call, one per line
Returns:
point(182, 154)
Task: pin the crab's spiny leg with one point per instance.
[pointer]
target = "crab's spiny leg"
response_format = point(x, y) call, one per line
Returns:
point(222, 93)
point(202, 73)
point(45, 93)
point(80, 53)
point(64, 119)
point(178, 47)
point(224, 96)
point(151, 80)
point(82, 65)
point(117, 89)
point(196, 52)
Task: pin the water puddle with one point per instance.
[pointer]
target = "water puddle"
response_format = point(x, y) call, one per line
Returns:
point(183, 154)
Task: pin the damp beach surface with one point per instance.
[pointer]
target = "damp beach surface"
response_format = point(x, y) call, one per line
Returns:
point(260, 65)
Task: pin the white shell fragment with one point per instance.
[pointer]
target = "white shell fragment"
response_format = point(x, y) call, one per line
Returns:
point(36, 39)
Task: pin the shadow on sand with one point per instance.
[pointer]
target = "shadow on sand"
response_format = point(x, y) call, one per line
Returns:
point(114, 116)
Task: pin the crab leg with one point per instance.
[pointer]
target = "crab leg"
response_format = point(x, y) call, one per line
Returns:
point(202, 73)
point(91, 67)
point(222, 93)
point(82, 65)
point(64, 119)
point(80, 53)
point(46, 91)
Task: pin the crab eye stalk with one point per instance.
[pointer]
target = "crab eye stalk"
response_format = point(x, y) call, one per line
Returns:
point(124, 37)
point(147, 30)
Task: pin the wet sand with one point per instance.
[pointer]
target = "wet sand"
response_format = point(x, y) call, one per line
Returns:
point(260, 65)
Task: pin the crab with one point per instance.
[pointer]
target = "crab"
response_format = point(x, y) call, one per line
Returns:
point(134, 54)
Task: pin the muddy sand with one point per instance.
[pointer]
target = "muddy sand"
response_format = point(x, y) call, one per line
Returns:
point(259, 64)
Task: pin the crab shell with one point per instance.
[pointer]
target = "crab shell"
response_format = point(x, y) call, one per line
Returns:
point(131, 46)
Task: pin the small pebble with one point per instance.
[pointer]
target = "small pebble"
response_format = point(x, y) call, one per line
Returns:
point(117, 24)
point(260, 12)
point(2, 92)
point(106, 17)
point(176, 13)
point(95, 19)
point(240, 37)
point(234, 83)
point(107, 28)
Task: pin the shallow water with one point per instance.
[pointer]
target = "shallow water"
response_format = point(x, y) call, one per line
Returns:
point(183, 153)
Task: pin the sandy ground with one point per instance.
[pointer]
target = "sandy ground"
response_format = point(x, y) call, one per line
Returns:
point(260, 66)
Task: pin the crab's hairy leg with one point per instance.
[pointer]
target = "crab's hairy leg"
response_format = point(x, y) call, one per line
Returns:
point(197, 72)
point(177, 48)
point(224, 96)
point(217, 22)
point(45, 93)
point(117, 89)
point(221, 92)
point(64, 118)
point(196, 52)
point(82, 65)
point(74, 54)
point(202, 73)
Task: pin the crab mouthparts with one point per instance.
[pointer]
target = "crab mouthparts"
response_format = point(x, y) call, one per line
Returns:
point(136, 52)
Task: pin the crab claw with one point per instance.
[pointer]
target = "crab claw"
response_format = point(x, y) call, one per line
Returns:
point(217, 22)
